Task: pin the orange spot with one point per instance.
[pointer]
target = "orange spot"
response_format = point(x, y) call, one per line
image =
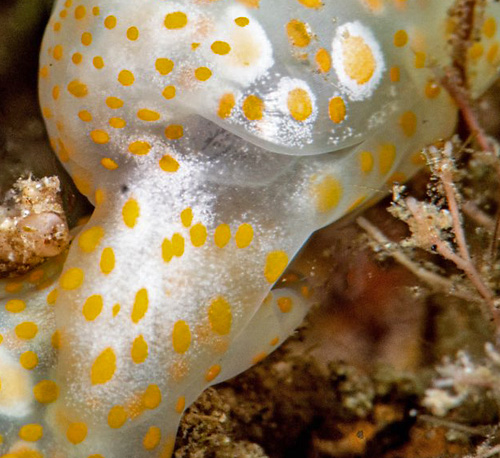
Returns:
point(253, 108)
point(298, 33)
point(323, 60)
point(400, 38)
point(226, 105)
point(212, 372)
point(299, 104)
point(176, 20)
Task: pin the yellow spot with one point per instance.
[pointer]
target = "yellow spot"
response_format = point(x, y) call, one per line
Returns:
point(284, 304)
point(174, 131)
point(298, 34)
point(126, 78)
point(80, 12)
point(148, 115)
point(432, 90)
point(169, 164)
point(110, 22)
point(387, 155)
point(212, 372)
point(358, 58)
point(366, 161)
point(29, 360)
point(139, 351)
point(58, 52)
point(151, 398)
point(36, 275)
point(114, 103)
point(276, 263)
point(420, 58)
point(100, 137)
point(103, 368)
point(85, 116)
point(133, 33)
point(55, 340)
point(336, 109)
point(56, 92)
point(92, 307)
point(96, 11)
point(418, 159)
point(76, 432)
point(489, 27)
point(117, 123)
point(139, 148)
point(117, 417)
point(172, 248)
point(164, 66)
point(198, 235)
point(220, 316)
point(475, 51)
point(242, 21)
point(327, 194)
point(492, 54)
point(253, 108)
point(311, 3)
point(259, 357)
point(299, 104)
point(99, 196)
point(400, 38)
point(47, 112)
point(180, 404)
point(109, 163)
point(52, 296)
point(220, 47)
point(408, 122)
point(169, 92)
point(116, 310)
point(141, 304)
point(77, 58)
point(57, 27)
point(181, 337)
point(72, 278)
point(306, 292)
point(98, 62)
point(222, 235)
point(395, 74)
point(244, 235)
point(226, 105)
point(46, 391)
point(13, 287)
point(251, 3)
point(152, 438)
point(31, 432)
point(274, 341)
point(130, 213)
point(86, 39)
point(15, 306)
point(187, 217)
point(90, 239)
point(176, 20)
point(396, 177)
point(202, 73)
point(323, 60)
point(77, 89)
point(44, 72)
point(178, 245)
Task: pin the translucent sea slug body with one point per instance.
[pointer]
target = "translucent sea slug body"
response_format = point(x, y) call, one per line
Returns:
point(213, 138)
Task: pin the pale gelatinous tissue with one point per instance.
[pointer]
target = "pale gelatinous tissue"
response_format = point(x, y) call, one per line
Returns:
point(213, 139)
